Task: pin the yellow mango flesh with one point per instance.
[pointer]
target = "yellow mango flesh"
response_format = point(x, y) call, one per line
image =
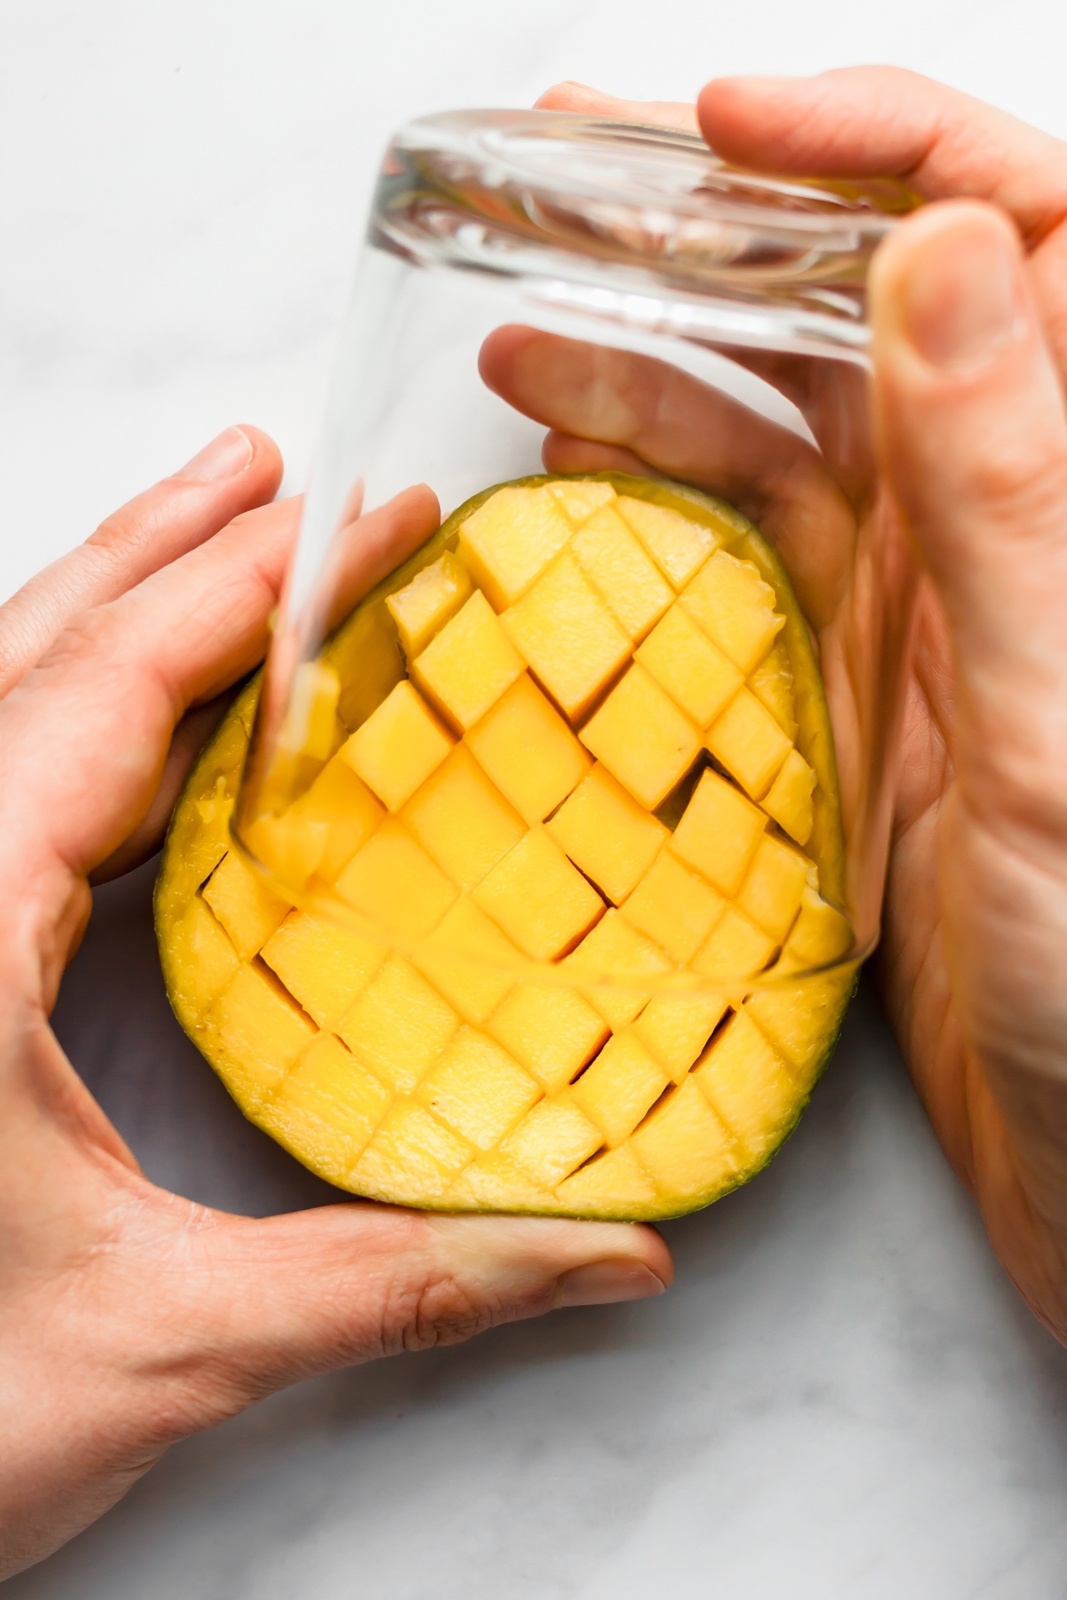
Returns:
point(546, 999)
point(424, 605)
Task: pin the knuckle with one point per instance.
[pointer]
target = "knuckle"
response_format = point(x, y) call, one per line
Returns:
point(119, 532)
point(438, 1310)
point(139, 523)
point(1017, 477)
point(90, 635)
point(101, 650)
point(1005, 468)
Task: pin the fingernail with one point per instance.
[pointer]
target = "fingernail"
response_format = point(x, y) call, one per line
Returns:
point(761, 82)
point(224, 457)
point(962, 297)
point(602, 1283)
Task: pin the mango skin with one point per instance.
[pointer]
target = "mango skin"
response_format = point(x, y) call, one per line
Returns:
point(366, 655)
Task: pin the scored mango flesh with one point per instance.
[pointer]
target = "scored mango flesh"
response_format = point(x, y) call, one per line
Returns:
point(580, 736)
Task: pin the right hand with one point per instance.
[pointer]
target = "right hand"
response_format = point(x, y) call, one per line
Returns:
point(969, 313)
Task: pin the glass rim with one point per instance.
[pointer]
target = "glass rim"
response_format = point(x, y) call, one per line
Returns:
point(644, 195)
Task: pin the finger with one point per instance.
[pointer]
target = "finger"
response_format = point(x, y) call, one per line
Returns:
point(190, 737)
point(973, 437)
point(881, 121)
point(563, 452)
point(646, 408)
point(240, 469)
point(833, 400)
point(649, 411)
point(649, 113)
point(103, 702)
point(274, 1301)
point(972, 429)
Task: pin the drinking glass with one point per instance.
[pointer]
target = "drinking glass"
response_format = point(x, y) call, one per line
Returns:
point(613, 300)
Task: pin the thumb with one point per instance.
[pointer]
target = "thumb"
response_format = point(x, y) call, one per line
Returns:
point(275, 1300)
point(973, 440)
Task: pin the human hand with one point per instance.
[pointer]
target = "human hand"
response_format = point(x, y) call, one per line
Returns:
point(969, 313)
point(130, 1317)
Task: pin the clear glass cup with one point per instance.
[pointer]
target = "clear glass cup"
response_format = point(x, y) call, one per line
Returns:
point(664, 316)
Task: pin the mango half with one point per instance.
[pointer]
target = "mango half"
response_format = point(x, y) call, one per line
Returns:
point(575, 783)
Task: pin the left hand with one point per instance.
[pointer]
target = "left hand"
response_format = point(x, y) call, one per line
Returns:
point(130, 1317)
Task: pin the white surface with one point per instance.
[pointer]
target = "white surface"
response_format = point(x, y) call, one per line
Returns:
point(840, 1397)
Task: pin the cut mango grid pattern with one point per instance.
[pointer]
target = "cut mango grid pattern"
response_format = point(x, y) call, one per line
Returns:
point(576, 661)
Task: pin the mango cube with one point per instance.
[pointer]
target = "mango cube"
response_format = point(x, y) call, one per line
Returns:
point(682, 1141)
point(749, 743)
point(737, 949)
point(330, 1100)
point(551, 1030)
point(612, 1184)
point(676, 1027)
point(718, 832)
point(341, 809)
point(578, 498)
point(674, 907)
point(245, 907)
point(771, 892)
point(621, 572)
point(461, 820)
point(469, 961)
point(735, 608)
point(398, 746)
point(205, 835)
point(510, 540)
point(399, 1025)
point(819, 935)
point(607, 834)
point(323, 964)
point(772, 684)
point(208, 952)
point(528, 750)
point(748, 1084)
point(490, 1183)
point(425, 604)
point(617, 960)
point(677, 545)
point(789, 798)
point(478, 1089)
point(567, 634)
point(617, 1089)
point(694, 672)
point(642, 738)
point(551, 1140)
point(541, 901)
point(395, 885)
point(467, 666)
point(293, 845)
point(311, 726)
point(412, 1155)
point(798, 1019)
point(261, 1028)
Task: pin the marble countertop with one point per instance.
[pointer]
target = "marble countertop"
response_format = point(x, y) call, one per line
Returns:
point(841, 1396)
